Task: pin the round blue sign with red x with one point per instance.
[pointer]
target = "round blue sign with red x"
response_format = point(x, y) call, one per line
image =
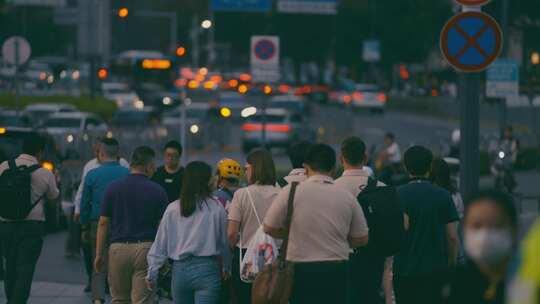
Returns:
point(265, 49)
point(471, 41)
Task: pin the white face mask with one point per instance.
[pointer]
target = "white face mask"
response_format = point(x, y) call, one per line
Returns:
point(488, 246)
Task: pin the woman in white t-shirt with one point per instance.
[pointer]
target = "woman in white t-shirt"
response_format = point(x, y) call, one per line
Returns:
point(247, 210)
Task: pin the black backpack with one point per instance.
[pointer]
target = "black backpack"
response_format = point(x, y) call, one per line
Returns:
point(16, 191)
point(384, 218)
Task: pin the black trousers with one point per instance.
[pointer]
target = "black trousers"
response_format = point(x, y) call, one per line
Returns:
point(22, 243)
point(320, 283)
point(242, 291)
point(425, 289)
point(365, 278)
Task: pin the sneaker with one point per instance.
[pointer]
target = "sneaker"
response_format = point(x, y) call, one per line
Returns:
point(87, 288)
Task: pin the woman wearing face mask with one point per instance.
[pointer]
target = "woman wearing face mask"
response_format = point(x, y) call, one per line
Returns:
point(490, 228)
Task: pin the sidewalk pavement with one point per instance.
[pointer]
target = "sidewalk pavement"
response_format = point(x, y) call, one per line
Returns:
point(58, 293)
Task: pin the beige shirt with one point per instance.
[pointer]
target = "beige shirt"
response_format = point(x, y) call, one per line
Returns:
point(242, 211)
point(354, 180)
point(324, 218)
point(43, 183)
point(296, 175)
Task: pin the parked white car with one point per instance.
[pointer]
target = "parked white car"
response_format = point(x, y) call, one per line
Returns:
point(73, 129)
point(39, 113)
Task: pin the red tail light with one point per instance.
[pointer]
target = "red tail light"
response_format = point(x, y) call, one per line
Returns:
point(250, 127)
point(281, 128)
point(382, 98)
point(357, 96)
point(284, 88)
point(255, 127)
point(347, 99)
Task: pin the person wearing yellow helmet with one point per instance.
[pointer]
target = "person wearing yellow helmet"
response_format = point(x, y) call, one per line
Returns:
point(229, 172)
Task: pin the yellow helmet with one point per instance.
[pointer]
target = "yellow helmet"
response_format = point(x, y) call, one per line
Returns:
point(229, 168)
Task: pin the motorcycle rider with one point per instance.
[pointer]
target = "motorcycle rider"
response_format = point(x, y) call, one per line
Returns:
point(504, 156)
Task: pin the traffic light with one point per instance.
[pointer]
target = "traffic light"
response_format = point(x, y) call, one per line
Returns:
point(102, 73)
point(535, 58)
point(180, 51)
point(123, 12)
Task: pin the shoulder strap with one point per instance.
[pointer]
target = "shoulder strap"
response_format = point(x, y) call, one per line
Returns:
point(282, 182)
point(290, 210)
point(33, 168)
point(372, 183)
point(253, 206)
point(11, 164)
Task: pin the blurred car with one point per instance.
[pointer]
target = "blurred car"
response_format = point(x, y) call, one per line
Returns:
point(196, 113)
point(9, 118)
point(39, 113)
point(120, 93)
point(39, 72)
point(134, 117)
point(71, 130)
point(197, 119)
point(11, 142)
point(233, 102)
point(290, 102)
point(135, 124)
point(283, 128)
point(368, 96)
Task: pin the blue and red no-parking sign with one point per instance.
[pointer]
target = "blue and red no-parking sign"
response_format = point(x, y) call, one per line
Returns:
point(265, 49)
point(471, 41)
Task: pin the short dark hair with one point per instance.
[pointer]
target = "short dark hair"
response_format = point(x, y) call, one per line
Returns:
point(418, 160)
point(33, 144)
point(440, 175)
point(353, 150)
point(297, 153)
point(321, 158)
point(173, 144)
point(142, 156)
point(500, 199)
point(110, 146)
point(390, 135)
point(264, 170)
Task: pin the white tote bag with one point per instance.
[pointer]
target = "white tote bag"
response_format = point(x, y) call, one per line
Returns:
point(262, 250)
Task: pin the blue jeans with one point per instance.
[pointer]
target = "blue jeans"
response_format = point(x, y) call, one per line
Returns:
point(196, 280)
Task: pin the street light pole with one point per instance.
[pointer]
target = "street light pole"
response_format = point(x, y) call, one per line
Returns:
point(195, 41)
point(211, 42)
point(502, 103)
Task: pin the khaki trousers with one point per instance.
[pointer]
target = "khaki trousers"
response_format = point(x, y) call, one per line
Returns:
point(127, 272)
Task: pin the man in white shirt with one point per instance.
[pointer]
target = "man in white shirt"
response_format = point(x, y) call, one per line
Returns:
point(297, 154)
point(326, 223)
point(390, 158)
point(22, 241)
point(366, 271)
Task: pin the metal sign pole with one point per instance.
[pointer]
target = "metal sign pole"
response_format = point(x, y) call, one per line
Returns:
point(504, 27)
point(469, 92)
point(264, 106)
point(183, 130)
point(17, 64)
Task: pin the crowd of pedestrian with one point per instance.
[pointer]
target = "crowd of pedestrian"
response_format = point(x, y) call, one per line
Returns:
point(351, 238)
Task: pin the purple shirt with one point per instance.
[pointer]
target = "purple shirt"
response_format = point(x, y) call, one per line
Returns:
point(135, 205)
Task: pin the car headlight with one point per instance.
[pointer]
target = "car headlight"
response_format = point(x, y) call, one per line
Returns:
point(70, 138)
point(249, 111)
point(194, 129)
